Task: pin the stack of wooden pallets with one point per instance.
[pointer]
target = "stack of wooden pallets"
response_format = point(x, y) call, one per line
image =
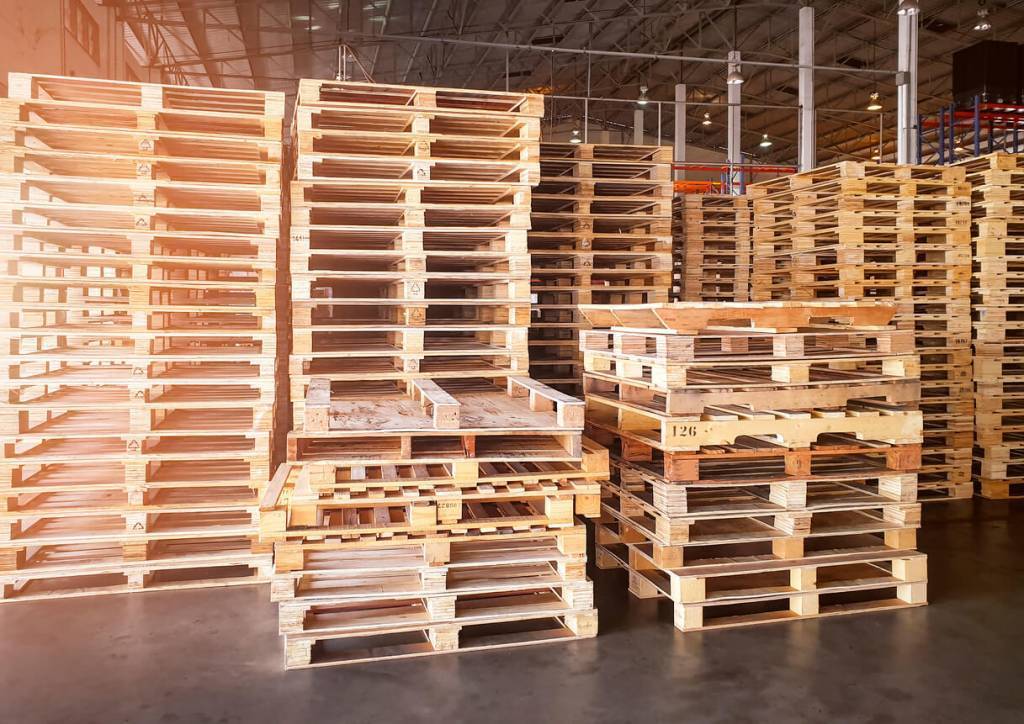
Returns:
point(998, 311)
point(602, 218)
point(429, 503)
point(763, 457)
point(140, 226)
point(711, 247)
point(890, 232)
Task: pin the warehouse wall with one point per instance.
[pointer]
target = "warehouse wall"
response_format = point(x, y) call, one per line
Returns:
point(61, 37)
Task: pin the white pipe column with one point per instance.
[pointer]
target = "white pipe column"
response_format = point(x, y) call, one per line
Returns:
point(679, 148)
point(734, 146)
point(906, 89)
point(805, 88)
point(638, 127)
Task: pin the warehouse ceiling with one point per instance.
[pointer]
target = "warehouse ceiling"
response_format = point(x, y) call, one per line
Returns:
point(268, 43)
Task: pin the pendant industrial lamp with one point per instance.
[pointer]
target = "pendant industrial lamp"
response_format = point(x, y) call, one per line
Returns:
point(982, 25)
point(908, 7)
point(874, 100)
point(734, 77)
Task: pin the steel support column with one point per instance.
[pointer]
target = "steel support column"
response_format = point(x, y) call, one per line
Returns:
point(679, 141)
point(638, 127)
point(906, 89)
point(734, 146)
point(805, 87)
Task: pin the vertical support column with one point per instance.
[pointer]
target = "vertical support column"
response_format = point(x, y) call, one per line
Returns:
point(638, 127)
point(942, 136)
point(906, 89)
point(679, 147)
point(805, 89)
point(977, 128)
point(733, 130)
point(951, 133)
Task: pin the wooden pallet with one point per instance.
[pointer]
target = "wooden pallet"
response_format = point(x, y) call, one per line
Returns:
point(743, 541)
point(756, 487)
point(996, 234)
point(727, 485)
point(764, 593)
point(860, 231)
point(140, 234)
point(334, 94)
point(213, 570)
point(408, 570)
point(725, 426)
point(1000, 488)
point(600, 233)
point(442, 510)
point(295, 552)
point(477, 630)
point(327, 605)
point(684, 534)
point(712, 247)
point(424, 464)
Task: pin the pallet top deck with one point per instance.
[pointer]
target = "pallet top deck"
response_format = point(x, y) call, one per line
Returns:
point(694, 317)
point(333, 93)
point(146, 95)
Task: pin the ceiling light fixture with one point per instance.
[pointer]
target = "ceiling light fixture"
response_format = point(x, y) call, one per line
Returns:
point(983, 24)
point(575, 137)
point(734, 77)
point(908, 7)
point(642, 100)
point(765, 141)
point(874, 104)
point(707, 120)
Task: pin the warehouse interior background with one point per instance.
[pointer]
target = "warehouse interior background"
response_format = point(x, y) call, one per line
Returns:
point(522, 45)
point(740, 93)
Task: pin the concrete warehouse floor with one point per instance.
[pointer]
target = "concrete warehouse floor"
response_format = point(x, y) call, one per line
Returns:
point(214, 656)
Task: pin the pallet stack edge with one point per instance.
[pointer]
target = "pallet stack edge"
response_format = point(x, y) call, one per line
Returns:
point(140, 227)
point(431, 496)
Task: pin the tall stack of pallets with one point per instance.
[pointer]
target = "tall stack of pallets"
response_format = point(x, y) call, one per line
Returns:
point(430, 497)
point(763, 457)
point(140, 228)
point(711, 246)
point(895, 233)
point(602, 225)
point(998, 312)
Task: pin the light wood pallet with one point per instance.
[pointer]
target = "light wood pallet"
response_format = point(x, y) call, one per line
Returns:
point(755, 486)
point(600, 233)
point(879, 231)
point(734, 454)
point(763, 591)
point(139, 247)
point(485, 623)
point(409, 213)
point(360, 594)
point(997, 235)
point(432, 488)
point(436, 582)
point(713, 253)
